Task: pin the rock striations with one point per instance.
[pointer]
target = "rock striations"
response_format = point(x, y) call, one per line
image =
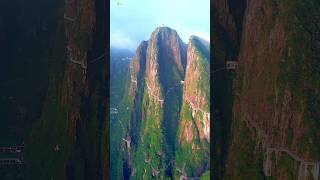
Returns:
point(158, 96)
point(275, 126)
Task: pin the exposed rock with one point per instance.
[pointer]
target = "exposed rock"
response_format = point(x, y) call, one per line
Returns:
point(268, 98)
point(157, 78)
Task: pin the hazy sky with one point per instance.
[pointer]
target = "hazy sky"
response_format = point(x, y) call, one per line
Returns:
point(132, 21)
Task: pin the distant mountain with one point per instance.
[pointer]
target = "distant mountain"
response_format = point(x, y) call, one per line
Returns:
point(119, 64)
point(118, 54)
point(164, 113)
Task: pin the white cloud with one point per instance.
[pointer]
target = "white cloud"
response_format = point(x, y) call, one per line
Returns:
point(120, 40)
point(137, 19)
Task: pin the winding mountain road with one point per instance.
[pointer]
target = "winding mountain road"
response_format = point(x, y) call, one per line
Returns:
point(68, 18)
point(82, 64)
point(303, 163)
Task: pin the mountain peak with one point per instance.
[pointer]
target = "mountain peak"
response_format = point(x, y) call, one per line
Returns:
point(201, 44)
point(163, 32)
point(196, 39)
point(164, 28)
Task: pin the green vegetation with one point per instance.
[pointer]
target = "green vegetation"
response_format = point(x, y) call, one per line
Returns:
point(153, 126)
point(203, 53)
point(186, 113)
point(271, 178)
point(152, 145)
point(287, 164)
point(299, 69)
point(270, 99)
point(49, 131)
point(205, 176)
point(34, 68)
point(120, 123)
point(245, 161)
point(191, 160)
point(192, 157)
point(187, 157)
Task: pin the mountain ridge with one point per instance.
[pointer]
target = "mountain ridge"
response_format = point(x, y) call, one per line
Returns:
point(156, 92)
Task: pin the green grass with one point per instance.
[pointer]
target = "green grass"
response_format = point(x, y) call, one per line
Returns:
point(191, 160)
point(205, 176)
point(185, 156)
point(153, 141)
point(186, 112)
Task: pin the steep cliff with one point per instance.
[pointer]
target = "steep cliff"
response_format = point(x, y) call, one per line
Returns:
point(194, 124)
point(227, 19)
point(226, 38)
point(275, 126)
point(54, 81)
point(150, 115)
point(29, 50)
point(66, 141)
point(120, 100)
point(165, 64)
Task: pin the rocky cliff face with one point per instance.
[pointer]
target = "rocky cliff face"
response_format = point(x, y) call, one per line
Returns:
point(67, 134)
point(55, 76)
point(152, 111)
point(227, 19)
point(194, 123)
point(275, 126)
point(165, 62)
point(196, 89)
point(138, 68)
point(79, 20)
